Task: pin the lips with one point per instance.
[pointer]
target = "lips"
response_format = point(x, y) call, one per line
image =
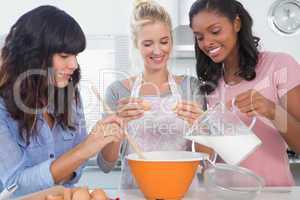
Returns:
point(64, 75)
point(214, 51)
point(67, 76)
point(157, 59)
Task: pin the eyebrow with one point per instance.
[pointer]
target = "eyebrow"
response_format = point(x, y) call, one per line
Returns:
point(163, 38)
point(197, 33)
point(146, 41)
point(217, 23)
point(166, 37)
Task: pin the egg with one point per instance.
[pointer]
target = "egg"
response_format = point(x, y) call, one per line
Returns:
point(111, 129)
point(73, 190)
point(174, 107)
point(98, 194)
point(54, 197)
point(146, 105)
point(67, 194)
point(81, 194)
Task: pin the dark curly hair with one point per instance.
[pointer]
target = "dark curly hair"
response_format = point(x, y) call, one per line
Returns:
point(29, 47)
point(210, 72)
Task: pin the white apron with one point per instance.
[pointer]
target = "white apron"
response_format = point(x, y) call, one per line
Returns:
point(158, 130)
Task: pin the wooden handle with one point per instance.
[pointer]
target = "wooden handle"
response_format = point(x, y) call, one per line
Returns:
point(133, 144)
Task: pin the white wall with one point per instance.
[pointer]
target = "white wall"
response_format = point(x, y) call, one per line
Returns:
point(95, 16)
point(112, 17)
point(269, 39)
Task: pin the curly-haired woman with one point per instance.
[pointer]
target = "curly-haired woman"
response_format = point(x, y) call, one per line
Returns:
point(264, 84)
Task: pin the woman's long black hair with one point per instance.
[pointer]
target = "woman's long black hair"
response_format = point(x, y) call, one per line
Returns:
point(210, 72)
point(29, 48)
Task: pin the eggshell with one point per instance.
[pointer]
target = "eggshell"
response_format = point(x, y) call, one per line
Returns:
point(81, 194)
point(111, 129)
point(174, 107)
point(146, 105)
point(98, 194)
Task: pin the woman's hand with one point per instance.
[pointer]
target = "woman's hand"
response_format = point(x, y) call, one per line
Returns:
point(106, 131)
point(253, 103)
point(188, 111)
point(132, 108)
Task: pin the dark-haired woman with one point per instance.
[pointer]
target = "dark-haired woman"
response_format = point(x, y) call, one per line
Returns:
point(265, 84)
point(43, 138)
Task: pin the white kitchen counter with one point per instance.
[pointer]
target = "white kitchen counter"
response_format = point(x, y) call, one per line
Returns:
point(270, 193)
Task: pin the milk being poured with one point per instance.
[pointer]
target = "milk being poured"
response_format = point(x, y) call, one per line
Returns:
point(232, 148)
point(226, 133)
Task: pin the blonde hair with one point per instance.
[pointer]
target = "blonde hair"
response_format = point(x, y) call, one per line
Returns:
point(145, 12)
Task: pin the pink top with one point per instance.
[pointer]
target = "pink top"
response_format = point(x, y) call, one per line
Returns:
point(276, 74)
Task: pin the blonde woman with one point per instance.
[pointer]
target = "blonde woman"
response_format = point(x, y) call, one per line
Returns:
point(146, 101)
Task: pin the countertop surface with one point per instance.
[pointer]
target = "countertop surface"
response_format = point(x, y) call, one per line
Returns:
point(269, 193)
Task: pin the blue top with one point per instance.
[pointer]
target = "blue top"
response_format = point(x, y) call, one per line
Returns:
point(28, 166)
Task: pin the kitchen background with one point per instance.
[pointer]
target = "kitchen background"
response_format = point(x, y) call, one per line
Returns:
point(110, 56)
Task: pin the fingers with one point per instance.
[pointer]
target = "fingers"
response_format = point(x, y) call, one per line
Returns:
point(112, 129)
point(252, 103)
point(109, 139)
point(132, 108)
point(243, 99)
point(188, 111)
point(127, 119)
point(112, 119)
point(128, 100)
point(111, 125)
point(190, 121)
point(191, 103)
point(142, 104)
point(249, 94)
point(188, 114)
point(191, 107)
point(67, 194)
point(251, 113)
point(188, 106)
point(103, 134)
point(247, 108)
point(54, 197)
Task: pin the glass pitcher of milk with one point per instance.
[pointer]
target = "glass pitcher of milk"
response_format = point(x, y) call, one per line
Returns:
point(222, 130)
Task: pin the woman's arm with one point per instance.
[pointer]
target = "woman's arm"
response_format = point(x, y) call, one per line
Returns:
point(284, 116)
point(62, 168)
point(117, 98)
point(109, 155)
point(14, 168)
point(287, 118)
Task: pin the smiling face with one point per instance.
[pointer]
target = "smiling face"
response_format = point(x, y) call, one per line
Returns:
point(64, 66)
point(155, 44)
point(216, 35)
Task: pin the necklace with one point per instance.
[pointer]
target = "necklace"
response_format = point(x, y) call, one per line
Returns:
point(233, 82)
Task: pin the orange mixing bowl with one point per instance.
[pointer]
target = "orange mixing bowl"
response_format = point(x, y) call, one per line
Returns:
point(165, 174)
